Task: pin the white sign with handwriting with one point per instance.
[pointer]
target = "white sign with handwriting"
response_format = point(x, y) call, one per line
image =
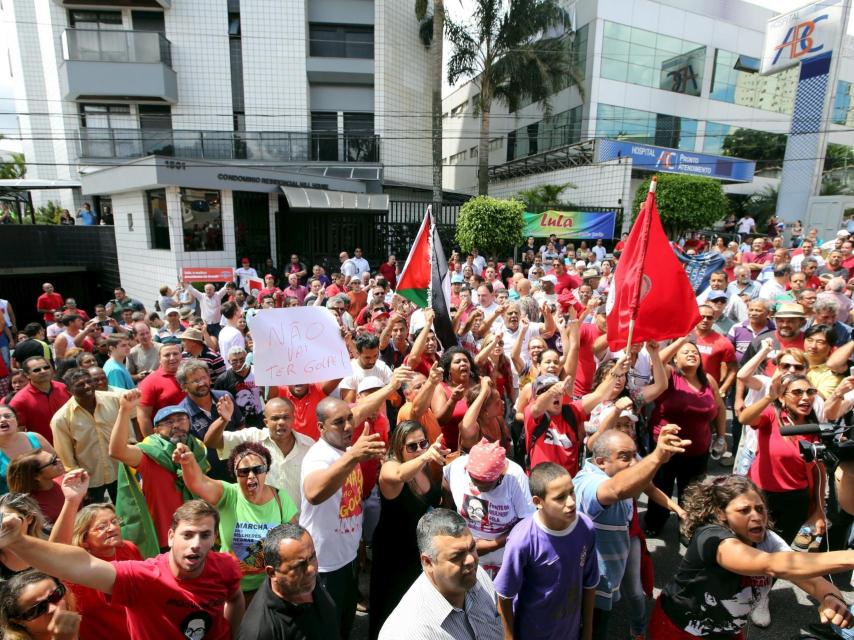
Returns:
point(298, 345)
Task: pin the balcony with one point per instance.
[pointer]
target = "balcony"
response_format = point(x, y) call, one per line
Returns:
point(118, 64)
point(270, 146)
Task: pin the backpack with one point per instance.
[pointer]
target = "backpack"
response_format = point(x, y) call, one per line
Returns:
point(541, 428)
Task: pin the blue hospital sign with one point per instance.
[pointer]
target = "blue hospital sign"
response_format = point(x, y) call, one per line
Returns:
point(799, 35)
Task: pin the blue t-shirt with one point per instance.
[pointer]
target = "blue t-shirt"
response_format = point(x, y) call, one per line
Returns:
point(86, 217)
point(545, 571)
point(612, 532)
point(118, 375)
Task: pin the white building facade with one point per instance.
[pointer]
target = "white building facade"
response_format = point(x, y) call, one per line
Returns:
point(208, 128)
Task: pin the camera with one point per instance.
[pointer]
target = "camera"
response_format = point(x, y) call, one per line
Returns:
point(836, 444)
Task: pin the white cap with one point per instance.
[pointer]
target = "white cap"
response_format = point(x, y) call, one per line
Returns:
point(370, 383)
point(549, 278)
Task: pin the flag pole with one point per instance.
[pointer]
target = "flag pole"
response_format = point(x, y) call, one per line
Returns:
point(644, 245)
point(432, 257)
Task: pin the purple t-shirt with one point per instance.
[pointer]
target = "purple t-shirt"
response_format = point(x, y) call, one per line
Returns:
point(545, 572)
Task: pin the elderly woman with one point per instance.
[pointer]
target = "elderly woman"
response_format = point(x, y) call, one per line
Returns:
point(248, 509)
point(36, 606)
point(14, 443)
point(818, 343)
point(39, 474)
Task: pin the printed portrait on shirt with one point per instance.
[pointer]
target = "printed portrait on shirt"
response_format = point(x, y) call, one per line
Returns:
point(196, 625)
point(475, 510)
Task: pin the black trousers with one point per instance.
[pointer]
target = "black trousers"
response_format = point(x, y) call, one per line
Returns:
point(788, 511)
point(682, 470)
point(95, 495)
point(343, 586)
point(600, 624)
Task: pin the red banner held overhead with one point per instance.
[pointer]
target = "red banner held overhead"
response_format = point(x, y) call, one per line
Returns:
point(207, 274)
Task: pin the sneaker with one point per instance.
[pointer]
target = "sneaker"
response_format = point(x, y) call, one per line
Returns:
point(803, 540)
point(761, 615)
point(727, 459)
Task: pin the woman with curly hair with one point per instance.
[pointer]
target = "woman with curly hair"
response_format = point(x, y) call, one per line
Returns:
point(731, 562)
point(449, 399)
point(36, 606)
point(248, 509)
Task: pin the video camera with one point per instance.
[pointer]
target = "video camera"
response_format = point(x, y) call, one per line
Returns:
point(836, 443)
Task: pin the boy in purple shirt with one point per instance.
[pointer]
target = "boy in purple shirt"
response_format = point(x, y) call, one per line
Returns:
point(546, 585)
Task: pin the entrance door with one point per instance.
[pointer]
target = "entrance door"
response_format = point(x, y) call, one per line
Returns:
point(252, 226)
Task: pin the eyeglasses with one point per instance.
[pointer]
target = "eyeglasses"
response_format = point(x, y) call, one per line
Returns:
point(256, 470)
point(792, 366)
point(104, 526)
point(40, 608)
point(799, 393)
point(53, 460)
point(412, 447)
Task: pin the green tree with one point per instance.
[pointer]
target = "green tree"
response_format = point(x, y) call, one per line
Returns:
point(766, 149)
point(544, 196)
point(14, 168)
point(762, 205)
point(490, 225)
point(684, 203)
point(432, 31)
point(48, 214)
point(505, 53)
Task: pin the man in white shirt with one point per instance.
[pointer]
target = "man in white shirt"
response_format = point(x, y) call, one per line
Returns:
point(486, 299)
point(479, 260)
point(362, 265)
point(366, 364)
point(746, 225)
point(243, 273)
point(600, 251)
point(210, 305)
point(230, 335)
point(348, 267)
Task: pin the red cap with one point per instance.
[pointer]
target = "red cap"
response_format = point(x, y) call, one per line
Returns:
point(244, 260)
point(487, 461)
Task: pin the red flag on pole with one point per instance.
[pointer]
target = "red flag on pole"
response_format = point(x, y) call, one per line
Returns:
point(653, 298)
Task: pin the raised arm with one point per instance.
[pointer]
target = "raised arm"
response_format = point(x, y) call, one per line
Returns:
point(549, 327)
point(486, 325)
point(746, 373)
point(571, 339)
point(836, 406)
point(670, 350)
point(469, 429)
point(420, 343)
point(443, 405)
point(369, 405)
point(838, 360)
point(197, 482)
point(74, 487)
point(422, 399)
point(120, 449)
point(659, 374)
point(322, 484)
point(750, 414)
point(516, 352)
point(394, 474)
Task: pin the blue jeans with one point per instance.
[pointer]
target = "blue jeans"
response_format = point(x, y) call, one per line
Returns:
point(631, 589)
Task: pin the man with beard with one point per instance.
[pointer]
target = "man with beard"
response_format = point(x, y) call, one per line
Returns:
point(790, 320)
point(162, 489)
point(186, 590)
point(239, 381)
point(160, 389)
point(207, 408)
point(286, 446)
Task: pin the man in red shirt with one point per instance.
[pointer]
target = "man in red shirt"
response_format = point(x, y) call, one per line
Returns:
point(388, 269)
point(43, 396)
point(561, 441)
point(565, 282)
point(716, 351)
point(160, 388)
point(305, 397)
point(189, 592)
point(48, 303)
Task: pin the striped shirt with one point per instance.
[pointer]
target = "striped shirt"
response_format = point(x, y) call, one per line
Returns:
point(612, 532)
point(424, 614)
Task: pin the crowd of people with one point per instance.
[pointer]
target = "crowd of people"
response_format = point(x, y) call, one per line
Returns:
point(484, 486)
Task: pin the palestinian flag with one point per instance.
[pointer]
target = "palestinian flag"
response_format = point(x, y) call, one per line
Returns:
point(425, 280)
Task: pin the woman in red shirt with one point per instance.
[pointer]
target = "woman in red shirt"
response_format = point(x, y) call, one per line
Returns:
point(39, 474)
point(793, 487)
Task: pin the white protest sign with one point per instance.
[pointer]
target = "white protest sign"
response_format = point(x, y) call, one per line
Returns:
point(298, 345)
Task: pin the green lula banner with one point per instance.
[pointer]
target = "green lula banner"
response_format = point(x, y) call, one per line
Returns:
point(577, 225)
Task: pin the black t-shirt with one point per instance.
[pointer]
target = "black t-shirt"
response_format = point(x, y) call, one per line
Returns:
point(707, 600)
point(244, 396)
point(271, 618)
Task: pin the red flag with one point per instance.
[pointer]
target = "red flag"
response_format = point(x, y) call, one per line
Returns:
point(650, 286)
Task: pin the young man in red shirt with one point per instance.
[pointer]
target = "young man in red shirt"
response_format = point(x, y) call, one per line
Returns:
point(48, 303)
point(43, 396)
point(716, 351)
point(188, 592)
point(160, 388)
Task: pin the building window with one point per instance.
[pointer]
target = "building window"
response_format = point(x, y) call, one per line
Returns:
point(496, 143)
point(651, 59)
point(843, 110)
point(458, 158)
point(95, 19)
point(360, 143)
point(341, 41)
point(621, 123)
point(201, 217)
point(473, 152)
point(736, 80)
point(158, 219)
point(459, 109)
point(556, 131)
point(324, 136)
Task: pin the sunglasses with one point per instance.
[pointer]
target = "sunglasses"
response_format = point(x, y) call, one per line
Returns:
point(40, 369)
point(799, 393)
point(257, 470)
point(40, 608)
point(412, 447)
point(792, 366)
point(53, 460)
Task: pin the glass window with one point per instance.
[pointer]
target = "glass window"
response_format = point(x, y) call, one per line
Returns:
point(201, 217)
point(324, 136)
point(95, 19)
point(341, 41)
point(652, 59)
point(645, 127)
point(158, 220)
point(843, 111)
point(550, 133)
point(735, 80)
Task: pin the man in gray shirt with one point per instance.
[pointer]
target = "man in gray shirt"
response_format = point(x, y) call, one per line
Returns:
point(453, 599)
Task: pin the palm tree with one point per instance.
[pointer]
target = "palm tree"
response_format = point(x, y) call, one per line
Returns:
point(509, 53)
point(545, 195)
point(432, 31)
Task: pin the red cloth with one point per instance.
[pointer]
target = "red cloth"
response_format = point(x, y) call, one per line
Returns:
point(49, 301)
point(692, 410)
point(451, 429)
point(305, 409)
point(662, 628)
point(102, 619)
point(586, 359)
point(371, 468)
point(161, 496)
point(50, 500)
point(715, 350)
point(35, 409)
point(389, 273)
point(424, 363)
point(160, 389)
point(650, 286)
point(730, 273)
point(159, 606)
point(567, 282)
point(332, 290)
point(778, 465)
point(560, 443)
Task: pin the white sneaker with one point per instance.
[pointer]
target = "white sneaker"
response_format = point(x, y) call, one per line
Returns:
point(761, 615)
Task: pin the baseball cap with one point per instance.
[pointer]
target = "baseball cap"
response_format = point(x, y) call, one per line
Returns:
point(376, 315)
point(544, 382)
point(626, 413)
point(549, 278)
point(165, 412)
point(457, 278)
point(487, 461)
point(171, 310)
point(842, 233)
point(716, 295)
point(369, 384)
point(244, 260)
